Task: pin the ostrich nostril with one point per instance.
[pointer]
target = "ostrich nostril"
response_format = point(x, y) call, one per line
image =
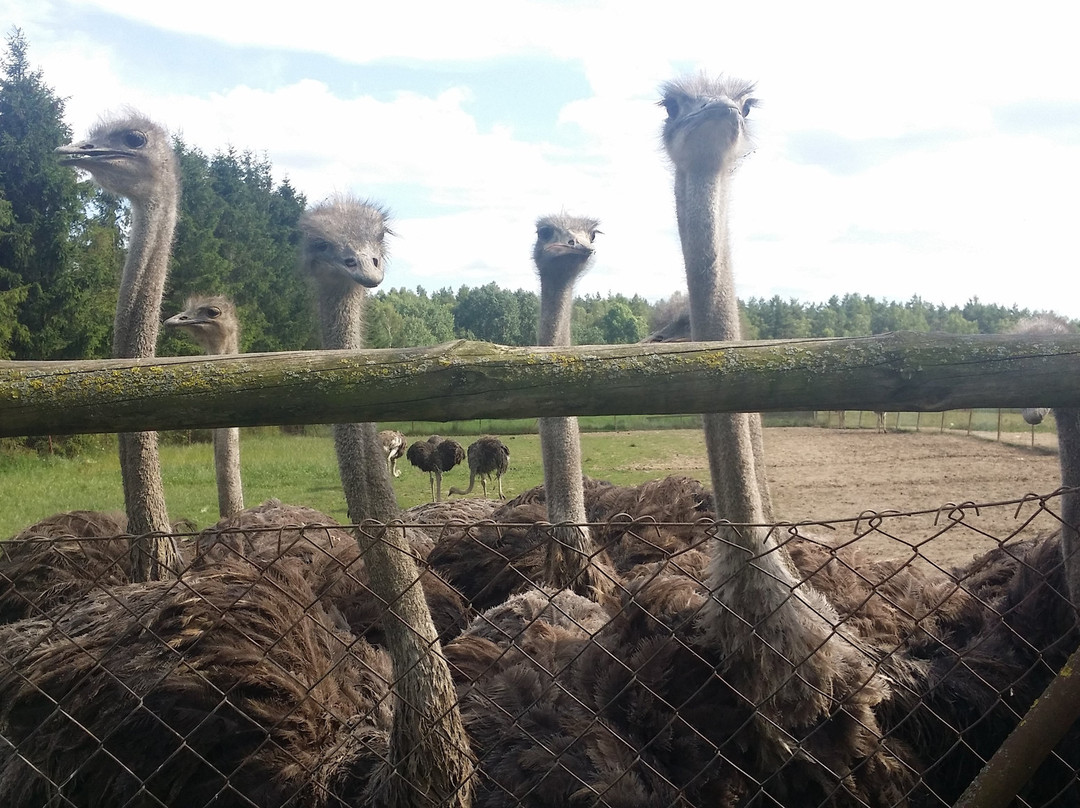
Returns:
point(375, 261)
point(571, 242)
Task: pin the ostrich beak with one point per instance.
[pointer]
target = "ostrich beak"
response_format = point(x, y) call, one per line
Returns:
point(364, 270)
point(568, 249)
point(77, 153)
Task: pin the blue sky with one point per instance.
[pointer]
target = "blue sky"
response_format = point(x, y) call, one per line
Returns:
point(930, 149)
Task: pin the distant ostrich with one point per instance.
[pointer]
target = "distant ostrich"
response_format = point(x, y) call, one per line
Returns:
point(132, 157)
point(435, 455)
point(880, 421)
point(487, 455)
point(393, 443)
point(213, 324)
point(778, 636)
point(343, 251)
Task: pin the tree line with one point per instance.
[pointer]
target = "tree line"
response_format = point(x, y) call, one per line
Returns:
point(62, 245)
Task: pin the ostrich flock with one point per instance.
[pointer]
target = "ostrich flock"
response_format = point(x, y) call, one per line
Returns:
point(581, 644)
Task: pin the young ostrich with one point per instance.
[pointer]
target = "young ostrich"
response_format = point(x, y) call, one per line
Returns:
point(343, 251)
point(487, 455)
point(777, 636)
point(393, 443)
point(132, 157)
point(213, 324)
point(435, 455)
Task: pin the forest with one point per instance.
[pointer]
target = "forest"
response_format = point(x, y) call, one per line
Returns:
point(62, 243)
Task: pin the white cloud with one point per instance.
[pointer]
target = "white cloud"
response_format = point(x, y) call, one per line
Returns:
point(924, 192)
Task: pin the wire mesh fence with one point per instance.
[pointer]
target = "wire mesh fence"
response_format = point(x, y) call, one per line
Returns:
point(654, 657)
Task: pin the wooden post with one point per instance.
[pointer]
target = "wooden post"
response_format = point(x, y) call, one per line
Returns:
point(942, 429)
point(999, 425)
point(971, 412)
point(1030, 743)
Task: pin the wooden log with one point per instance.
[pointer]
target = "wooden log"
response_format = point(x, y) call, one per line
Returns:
point(465, 380)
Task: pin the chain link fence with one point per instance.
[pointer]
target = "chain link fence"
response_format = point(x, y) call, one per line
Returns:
point(679, 664)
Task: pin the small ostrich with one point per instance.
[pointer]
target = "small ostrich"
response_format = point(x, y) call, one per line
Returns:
point(393, 443)
point(487, 455)
point(214, 326)
point(132, 157)
point(436, 455)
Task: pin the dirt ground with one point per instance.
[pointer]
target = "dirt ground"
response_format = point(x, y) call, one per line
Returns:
point(830, 474)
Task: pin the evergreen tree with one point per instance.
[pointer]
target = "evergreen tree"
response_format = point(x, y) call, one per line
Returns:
point(53, 294)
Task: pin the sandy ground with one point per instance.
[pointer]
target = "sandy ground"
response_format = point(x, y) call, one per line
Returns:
point(831, 474)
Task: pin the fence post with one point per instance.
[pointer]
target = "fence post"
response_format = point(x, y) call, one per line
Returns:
point(942, 429)
point(971, 412)
point(999, 425)
point(1029, 744)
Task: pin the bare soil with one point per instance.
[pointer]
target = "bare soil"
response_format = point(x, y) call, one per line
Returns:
point(836, 475)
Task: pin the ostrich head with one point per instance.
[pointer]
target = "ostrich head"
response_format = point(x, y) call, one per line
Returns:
point(706, 124)
point(564, 245)
point(128, 156)
point(345, 242)
point(210, 321)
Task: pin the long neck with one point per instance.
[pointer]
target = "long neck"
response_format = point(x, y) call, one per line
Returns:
point(570, 559)
point(560, 443)
point(430, 762)
point(1068, 428)
point(429, 759)
point(701, 203)
point(227, 468)
point(763, 622)
point(135, 330)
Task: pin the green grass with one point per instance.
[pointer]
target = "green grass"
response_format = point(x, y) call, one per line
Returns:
point(299, 469)
point(302, 468)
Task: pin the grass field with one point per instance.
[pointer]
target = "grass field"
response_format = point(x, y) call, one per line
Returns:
point(302, 468)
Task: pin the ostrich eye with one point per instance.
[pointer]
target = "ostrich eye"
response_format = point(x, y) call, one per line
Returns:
point(213, 311)
point(134, 139)
point(748, 104)
point(321, 246)
point(672, 107)
point(593, 235)
point(545, 233)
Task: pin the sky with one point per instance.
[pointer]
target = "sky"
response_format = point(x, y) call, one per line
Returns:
point(928, 149)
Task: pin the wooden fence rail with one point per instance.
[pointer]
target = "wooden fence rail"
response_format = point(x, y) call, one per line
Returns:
point(466, 380)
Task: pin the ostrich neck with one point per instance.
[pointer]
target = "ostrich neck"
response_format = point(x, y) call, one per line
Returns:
point(138, 309)
point(701, 204)
point(227, 468)
point(1068, 428)
point(560, 443)
point(701, 209)
point(135, 331)
point(429, 759)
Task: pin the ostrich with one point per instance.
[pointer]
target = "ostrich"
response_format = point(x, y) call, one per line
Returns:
point(213, 324)
point(777, 636)
point(131, 156)
point(393, 443)
point(343, 251)
point(435, 456)
point(562, 253)
point(487, 455)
